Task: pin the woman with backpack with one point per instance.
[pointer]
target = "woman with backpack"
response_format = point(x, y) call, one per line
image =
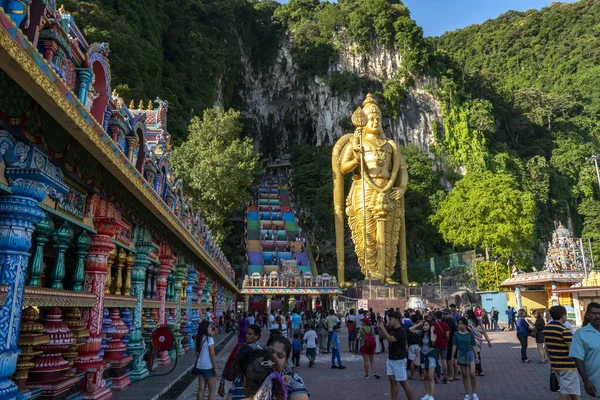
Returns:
point(428, 355)
point(369, 344)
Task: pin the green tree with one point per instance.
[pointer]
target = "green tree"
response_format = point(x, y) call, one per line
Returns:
point(487, 210)
point(217, 166)
point(590, 210)
point(490, 274)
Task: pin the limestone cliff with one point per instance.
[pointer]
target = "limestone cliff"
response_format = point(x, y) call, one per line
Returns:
point(280, 111)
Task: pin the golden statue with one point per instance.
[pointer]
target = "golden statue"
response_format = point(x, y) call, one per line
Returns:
point(378, 229)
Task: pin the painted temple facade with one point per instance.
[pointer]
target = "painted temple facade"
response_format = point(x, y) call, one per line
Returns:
point(99, 245)
point(281, 272)
point(566, 264)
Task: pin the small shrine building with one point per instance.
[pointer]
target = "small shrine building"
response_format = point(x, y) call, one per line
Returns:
point(565, 265)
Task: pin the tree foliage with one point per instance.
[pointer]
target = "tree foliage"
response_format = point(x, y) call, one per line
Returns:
point(487, 210)
point(217, 166)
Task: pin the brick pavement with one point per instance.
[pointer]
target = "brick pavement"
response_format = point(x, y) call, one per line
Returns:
point(505, 376)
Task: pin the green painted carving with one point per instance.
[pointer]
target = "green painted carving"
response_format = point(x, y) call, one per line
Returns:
point(62, 236)
point(83, 244)
point(43, 230)
point(181, 270)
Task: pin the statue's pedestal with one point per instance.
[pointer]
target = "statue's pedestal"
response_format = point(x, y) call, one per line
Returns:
point(374, 294)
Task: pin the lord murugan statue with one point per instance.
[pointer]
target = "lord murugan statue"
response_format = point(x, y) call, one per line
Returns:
point(375, 202)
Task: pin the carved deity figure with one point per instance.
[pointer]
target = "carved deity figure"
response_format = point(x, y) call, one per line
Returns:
point(375, 203)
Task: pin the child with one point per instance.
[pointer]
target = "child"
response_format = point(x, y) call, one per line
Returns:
point(296, 348)
point(335, 348)
point(310, 337)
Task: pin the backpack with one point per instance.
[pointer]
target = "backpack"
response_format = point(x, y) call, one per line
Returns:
point(350, 326)
point(369, 343)
point(231, 370)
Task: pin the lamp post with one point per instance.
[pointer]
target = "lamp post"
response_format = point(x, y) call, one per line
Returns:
point(594, 159)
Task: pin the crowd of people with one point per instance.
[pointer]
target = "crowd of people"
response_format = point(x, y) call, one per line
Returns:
point(435, 346)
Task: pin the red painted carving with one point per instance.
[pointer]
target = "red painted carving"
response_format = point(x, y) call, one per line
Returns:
point(107, 222)
point(167, 261)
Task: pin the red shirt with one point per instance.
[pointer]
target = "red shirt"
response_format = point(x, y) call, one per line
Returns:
point(478, 313)
point(440, 328)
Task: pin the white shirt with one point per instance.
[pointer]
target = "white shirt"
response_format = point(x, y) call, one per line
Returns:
point(271, 320)
point(251, 319)
point(204, 361)
point(569, 326)
point(310, 337)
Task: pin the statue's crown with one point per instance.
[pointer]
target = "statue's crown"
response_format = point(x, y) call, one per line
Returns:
point(370, 105)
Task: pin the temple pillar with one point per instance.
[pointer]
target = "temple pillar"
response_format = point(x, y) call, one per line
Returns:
point(62, 236)
point(107, 222)
point(246, 302)
point(554, 295)
point(313, 303)
point(85, 76)
point(191, 279)
point(269, 298)
point(180, 275)
point(129, 261)
point(334, 302)
point(118, 281)
point(83, 244)
point(31, 177)
point(135, 347)
point(43, 230)
point(166, 264)
point(518, 297)
point(131, 145)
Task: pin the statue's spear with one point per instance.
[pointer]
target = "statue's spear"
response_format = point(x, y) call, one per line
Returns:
point(360, 120)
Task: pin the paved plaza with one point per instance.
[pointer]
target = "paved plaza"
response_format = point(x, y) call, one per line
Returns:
point(505, 376)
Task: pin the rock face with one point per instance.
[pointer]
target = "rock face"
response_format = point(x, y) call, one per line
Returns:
point(280, 111)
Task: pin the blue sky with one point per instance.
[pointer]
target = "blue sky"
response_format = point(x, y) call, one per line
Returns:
point(439, 16)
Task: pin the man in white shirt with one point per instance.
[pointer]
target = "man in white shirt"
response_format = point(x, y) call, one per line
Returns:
point(271, 319)
point(251, 318)
point(310, 338)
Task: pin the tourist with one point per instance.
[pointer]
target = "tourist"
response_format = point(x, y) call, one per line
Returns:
point(252, 337)
point(279, 327)
point(455, 312)
point(485, 319)
point(495, 317)
point(206, 362)
point(380, 339)
point(464, 353)
point(523, 335)
point(585, 350)
point(261, 380)
point(335, 348)
point(396, 362)
point(510, 313)
point(367, 336)
point(295, 321)
point(452, 367)
point(322, 332)
point(310, 338)
point(539, 326)
point(547, 315)
point(413, 341)
point(280, 349)
point(358, 322)
point(479, 332)
point(558, 339)
point(271, 319)
point(243, 325)
point(351, 330)
point(296, 349)
point(331, 321)
point(251, 318)
point(208, 316)
point(442, 333)
point(428, 356)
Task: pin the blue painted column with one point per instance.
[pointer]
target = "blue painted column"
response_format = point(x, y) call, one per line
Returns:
point(143, 246)
point(189, 291)
point(31, 177)
point(85, 76)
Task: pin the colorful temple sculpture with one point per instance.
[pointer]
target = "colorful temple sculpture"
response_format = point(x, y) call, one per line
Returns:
point(100, 245)
point(566, 264)
point(281, 272)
